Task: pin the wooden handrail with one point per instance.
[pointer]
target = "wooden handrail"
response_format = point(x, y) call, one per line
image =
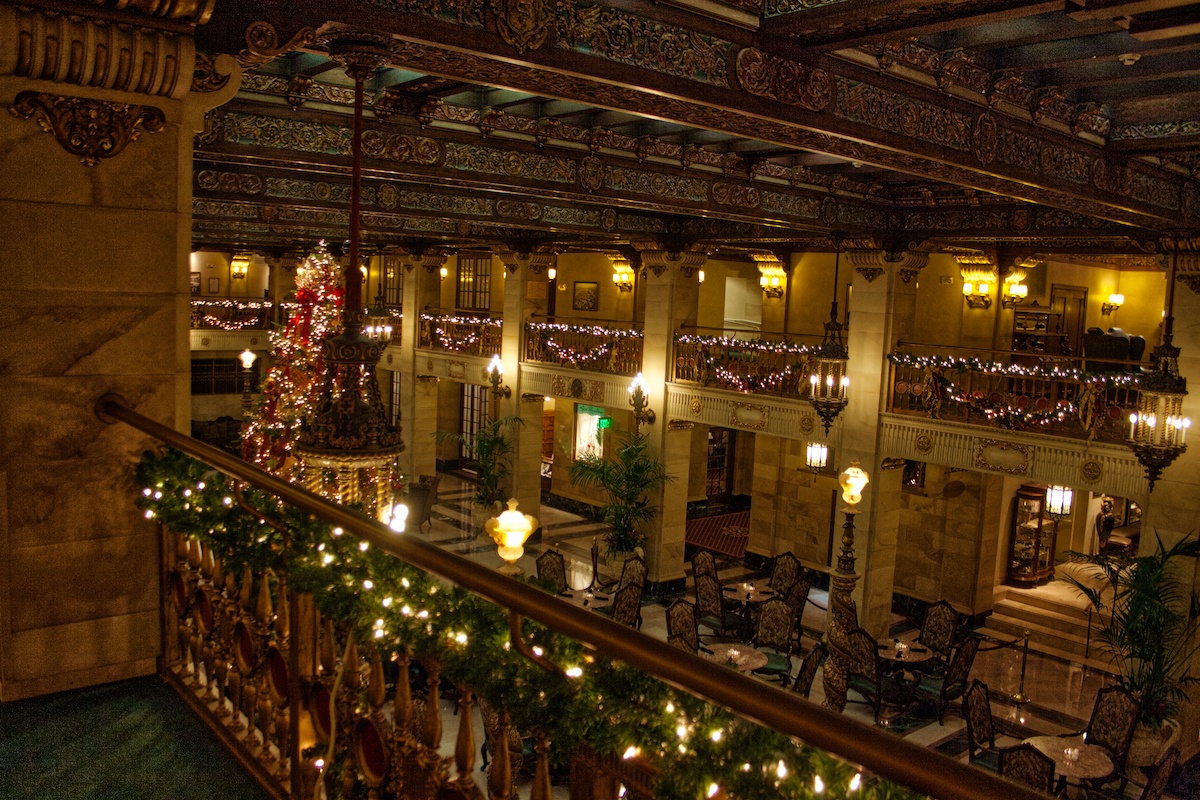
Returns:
point(878, 751)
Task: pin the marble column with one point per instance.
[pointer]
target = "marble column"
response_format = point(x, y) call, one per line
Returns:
point(418, 393)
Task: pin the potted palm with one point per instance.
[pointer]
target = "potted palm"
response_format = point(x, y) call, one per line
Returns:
point(491, 448)
point(1148, 623)
point(629, 479)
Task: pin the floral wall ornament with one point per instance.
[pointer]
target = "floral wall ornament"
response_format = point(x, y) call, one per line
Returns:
point(89, 129)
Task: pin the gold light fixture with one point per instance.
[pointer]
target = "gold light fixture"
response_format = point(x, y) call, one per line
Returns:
point(509, 531)
point(379, 321)
point(639, 398)
point(247, 357)
point(1115, 301)
point(444, 272)
point(495, 375)
point(771, 274)
point(239, 266)
point(816, 457)
point(1058, 502)
point(1014, 294)
point(853, 480)
point(551, 274)
point(979, 276)
point(828, 382)
point(977, 295)
point(622, 273)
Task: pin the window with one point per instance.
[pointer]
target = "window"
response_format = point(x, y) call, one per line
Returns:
point(394, 399)
point(222, 376)
point(587, 431)
point(474, 414)
point(473, 289)
point(393, 293)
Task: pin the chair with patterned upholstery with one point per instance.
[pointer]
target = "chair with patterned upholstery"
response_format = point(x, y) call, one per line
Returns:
point(981, 730)
point(797, 598)
point(773, 637)
point(785, 572)
point(626, 608)
point(1114, 718)
point(865, 673)
point(1154, 788)
point(953, 682)
point(552, 568)
point(809, 668)
point(704, 563)
point(633, 571)
point(710, 607)
point(939, 632)
point(681, 623)
point(1028, 766)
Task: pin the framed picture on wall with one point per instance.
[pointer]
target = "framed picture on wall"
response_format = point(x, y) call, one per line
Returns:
point(195, 282)
point(214, 285)
point(586, 296)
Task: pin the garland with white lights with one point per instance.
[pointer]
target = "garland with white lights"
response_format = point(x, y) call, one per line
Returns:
point(713, 364)
point(700, 749)
point(599, 352)
point(239, 314)
point(439, 335)
point(1107, 380)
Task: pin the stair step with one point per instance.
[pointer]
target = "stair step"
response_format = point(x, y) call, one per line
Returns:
point(1071, 623)
point(1042, 638)
point(1051, 602)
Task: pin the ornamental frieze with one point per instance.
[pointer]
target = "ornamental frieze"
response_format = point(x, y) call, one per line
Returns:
point(784, 80)
point(861, 102)
point(802, 207)
point(296, 189)
point(262, 83)
point(514, 209)
point(281, 134)
point(774, 8)
point(85, 128)
point(1018, 149)
point(737, 195)
point(441, 203)
point(1057, 218)
point(314, 216)
point(656, 184)
point(464, 12)
point(631, 223)
point(1065, 163)
point(213, 208)
point(426, 225)
point(473, 158)
point(619, 36)
point(958, 219)
point(211, 180)
point(1149, 189)
point(558, 215)
point(524, 24)
point(401, 147)
point(1156, 130)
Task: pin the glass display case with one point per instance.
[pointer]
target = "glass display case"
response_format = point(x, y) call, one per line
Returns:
point(1031, 545)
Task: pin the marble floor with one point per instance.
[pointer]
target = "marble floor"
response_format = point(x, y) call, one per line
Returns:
point(1057, 694)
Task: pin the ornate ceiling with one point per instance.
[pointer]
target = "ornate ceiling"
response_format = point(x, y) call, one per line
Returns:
point(1069, 126)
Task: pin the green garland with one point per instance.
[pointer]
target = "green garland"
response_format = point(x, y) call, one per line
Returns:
point(391, 605)
point(1106, 380)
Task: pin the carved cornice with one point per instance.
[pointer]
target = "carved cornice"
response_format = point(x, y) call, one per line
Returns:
point(77, 51)
point(195, 11)
point(658, 261)
point(263, 43)
point(90, 129)
point(536, 261)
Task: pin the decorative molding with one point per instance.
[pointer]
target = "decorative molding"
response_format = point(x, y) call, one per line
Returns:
point(696, 406)
point(749, 415)
point(89, 129)
point(680, 425)
point(870, 273)
point(524, 24)
point(923, 443)
point(999, 456)
point(907, 275)
point(263, 43)
point(1091, 471)
point(784, 80)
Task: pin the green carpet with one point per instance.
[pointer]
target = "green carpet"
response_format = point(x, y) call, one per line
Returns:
point(123, 741)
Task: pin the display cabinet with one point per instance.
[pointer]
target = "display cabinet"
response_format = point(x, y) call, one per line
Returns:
point(1031, 545)
point(1038, 330)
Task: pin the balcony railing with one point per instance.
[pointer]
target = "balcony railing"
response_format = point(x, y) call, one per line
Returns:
point(273, 615)
point(615, 349)
point(766, 365)
point(473, 336)
point(1062, 396)
point(231, 314)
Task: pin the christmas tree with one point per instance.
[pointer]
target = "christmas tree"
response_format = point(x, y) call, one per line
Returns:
point(294, 379)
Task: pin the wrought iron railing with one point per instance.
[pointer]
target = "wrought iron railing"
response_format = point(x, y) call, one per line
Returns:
point(614, 348)
point(1059, 395)
point(230, 314)
point(253, 655)
point(766, 364)
point(475, 336)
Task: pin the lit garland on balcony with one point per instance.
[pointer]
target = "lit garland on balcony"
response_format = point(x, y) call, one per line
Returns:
point(208, 321)
point(713, 367)
point(600, 351)
point(442, 339)
point(699, 749)
point(1107, 380)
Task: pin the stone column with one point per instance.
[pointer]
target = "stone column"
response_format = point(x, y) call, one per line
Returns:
point(672, 297)
point(96, 300)
point(418, 393)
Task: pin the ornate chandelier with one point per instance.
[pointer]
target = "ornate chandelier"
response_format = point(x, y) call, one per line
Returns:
point(1158, 431)
point(828, 381)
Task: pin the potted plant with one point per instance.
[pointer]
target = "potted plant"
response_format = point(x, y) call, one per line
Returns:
point(628, 479)
point(491, 448)
point(1148, 622)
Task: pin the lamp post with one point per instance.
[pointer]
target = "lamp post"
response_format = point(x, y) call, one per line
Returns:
point(247, 357)
point(639, 398)
point(842, 617)
point(509, 531)
point(495, 376)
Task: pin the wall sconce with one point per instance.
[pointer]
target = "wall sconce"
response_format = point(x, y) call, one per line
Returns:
point(700, 276)
point(1058, 502)
point(445, 272)
point(239, 266)
point(639, 398)
point(622, 273)
point(551, 274)
point(772, 286)
point(1115, 301)
point(977, 295)
point(509, 531)
point(495, 375)
point(1014, 294)
point(816, 457)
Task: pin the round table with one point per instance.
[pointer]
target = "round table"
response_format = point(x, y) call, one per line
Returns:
point(1093, 760)
point(748, 595)
point(587, 599)
point(913, 655)
point(742, 657)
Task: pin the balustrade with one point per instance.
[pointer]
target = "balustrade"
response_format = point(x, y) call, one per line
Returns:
point(586, 346)
point(769, 366)
point(984, 387)
point(475, 336)
point(231, 315)
point(319, 612)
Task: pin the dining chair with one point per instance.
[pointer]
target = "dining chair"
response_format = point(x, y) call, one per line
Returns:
point(681, 623)
point(710, 607)
point(626, 608)
point(704, 563)
point(1028, 766)
point(785, 572)
point(1157, 784)
point(773, 637)
point(981, 729)
point(552, 569)
point(1113, 721)
point(865, 673)
point(953, 682)
point(633, 572)
point(939, 632)
point(809, 668)
point(797, 598)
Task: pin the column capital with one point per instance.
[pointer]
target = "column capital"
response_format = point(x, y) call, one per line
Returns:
point(873, 263)
point(659, 260)
point(536, 261)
